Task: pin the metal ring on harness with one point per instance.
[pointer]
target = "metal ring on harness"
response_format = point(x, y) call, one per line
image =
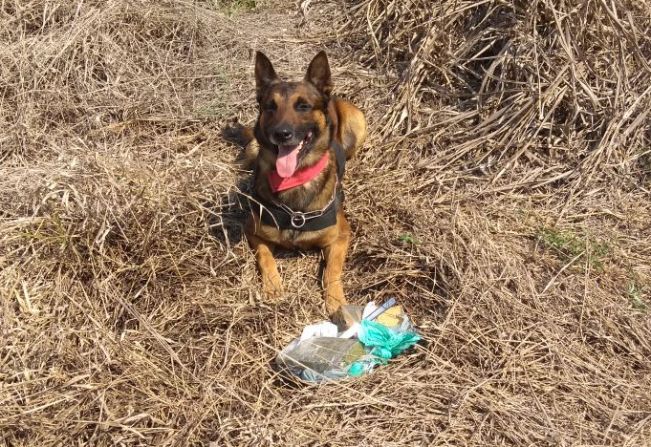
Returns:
point(297, 223)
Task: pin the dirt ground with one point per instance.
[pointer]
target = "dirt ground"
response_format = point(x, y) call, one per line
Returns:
point(131, 312)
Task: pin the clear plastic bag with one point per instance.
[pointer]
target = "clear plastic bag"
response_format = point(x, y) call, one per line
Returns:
point(320, 358)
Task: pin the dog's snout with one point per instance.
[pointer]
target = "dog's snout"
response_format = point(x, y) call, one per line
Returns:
point(283, 134)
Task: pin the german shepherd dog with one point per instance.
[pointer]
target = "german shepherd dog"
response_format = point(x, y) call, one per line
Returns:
point(298, 149)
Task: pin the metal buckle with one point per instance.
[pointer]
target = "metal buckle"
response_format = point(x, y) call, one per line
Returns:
point(294, 220)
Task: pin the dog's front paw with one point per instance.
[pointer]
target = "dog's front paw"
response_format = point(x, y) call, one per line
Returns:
point(272, 286)
point(334, 298)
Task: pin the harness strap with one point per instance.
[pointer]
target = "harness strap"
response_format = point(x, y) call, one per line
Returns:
point(275, 216)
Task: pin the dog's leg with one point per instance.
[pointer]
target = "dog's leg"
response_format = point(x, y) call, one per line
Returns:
point(272, 286)
point(335, 256)
point(250, 154)
point(243, 136)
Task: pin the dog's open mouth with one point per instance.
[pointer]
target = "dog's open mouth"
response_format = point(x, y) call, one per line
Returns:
point(288, 156)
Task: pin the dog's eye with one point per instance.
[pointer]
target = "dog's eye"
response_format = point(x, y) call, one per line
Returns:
point(270, 106)
point(303, 107)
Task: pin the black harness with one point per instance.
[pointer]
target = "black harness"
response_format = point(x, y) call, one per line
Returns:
point(281, 216)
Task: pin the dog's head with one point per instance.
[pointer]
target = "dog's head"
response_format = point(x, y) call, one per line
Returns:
point(292, 125)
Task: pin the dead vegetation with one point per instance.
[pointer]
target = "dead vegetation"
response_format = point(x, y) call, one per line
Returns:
point(503, 197)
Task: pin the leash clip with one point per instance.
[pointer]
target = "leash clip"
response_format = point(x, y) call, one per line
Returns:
point(297, 220)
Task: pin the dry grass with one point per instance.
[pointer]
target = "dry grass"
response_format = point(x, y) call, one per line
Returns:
point(516, 226)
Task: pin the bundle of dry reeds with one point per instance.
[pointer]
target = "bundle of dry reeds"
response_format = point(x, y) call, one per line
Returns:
point(501, 82)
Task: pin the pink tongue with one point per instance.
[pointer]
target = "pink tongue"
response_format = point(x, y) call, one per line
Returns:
point(287, 160)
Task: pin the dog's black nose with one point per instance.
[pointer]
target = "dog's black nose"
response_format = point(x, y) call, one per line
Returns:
point(283, 134)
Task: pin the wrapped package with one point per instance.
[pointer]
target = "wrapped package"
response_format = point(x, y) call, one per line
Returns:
point(361, 338)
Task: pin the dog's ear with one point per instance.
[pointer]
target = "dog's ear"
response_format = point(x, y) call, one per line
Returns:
point(264, 72)
point(318, 73)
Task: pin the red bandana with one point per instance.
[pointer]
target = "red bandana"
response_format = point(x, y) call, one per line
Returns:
point(278, 183)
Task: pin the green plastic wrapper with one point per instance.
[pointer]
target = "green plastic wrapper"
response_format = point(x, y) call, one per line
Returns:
point(386, 343)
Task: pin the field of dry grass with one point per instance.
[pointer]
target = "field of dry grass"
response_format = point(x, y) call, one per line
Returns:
point(503, 196)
